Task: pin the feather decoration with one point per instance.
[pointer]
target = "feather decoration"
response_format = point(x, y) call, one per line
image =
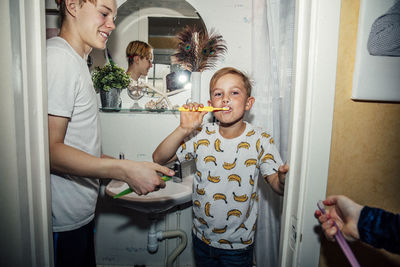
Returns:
point(197, 50)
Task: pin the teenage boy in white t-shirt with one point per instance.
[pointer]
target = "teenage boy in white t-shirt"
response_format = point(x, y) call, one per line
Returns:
point(76, 160)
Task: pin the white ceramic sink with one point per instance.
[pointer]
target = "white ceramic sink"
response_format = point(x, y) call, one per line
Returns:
point(155, 202)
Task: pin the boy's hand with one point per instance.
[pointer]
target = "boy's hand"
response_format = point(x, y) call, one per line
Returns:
point(192, 120)
point(277, 180)
point(282, 170)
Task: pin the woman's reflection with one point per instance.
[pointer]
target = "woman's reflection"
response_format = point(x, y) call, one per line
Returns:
point(140, 58)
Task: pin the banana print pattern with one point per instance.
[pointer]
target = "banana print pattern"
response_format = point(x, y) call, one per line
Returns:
point(241, 226)
point(261, 153)
point(204, 239)
point(220, 196)
point(224, 200)
point(202, 221)
point(196, 203)
point(244, 145)
point(250, 162)
point(235, 178)
point(207, 208)
point(217, 145)
point(247, 242)
point(230, 166)
point(220, 230)
point(213, 179)
point(195, 147)
point(242, 198)
point(210, 132)
point(265, 135)
point(251, 181)
point(224, 241)
point(200, 191)
point(183, 147)
point(198, 174)
point(203, 142)
point(234, 212)
point(252, 132)
point(268, 157)
point(210, 159)
point(248, 212)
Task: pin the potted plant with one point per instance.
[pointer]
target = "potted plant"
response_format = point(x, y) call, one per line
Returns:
point(109, 80)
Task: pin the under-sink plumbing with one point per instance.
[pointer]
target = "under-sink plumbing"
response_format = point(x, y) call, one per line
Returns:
point(155, 236)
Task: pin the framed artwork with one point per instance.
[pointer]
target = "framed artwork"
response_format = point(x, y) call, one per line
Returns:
point(377, 64)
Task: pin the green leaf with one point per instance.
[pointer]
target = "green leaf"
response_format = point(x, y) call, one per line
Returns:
point(110, 76)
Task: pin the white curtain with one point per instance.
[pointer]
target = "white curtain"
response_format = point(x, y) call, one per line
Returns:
point(272, 46)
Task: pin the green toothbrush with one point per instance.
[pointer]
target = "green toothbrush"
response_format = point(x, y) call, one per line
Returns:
point(129, 190)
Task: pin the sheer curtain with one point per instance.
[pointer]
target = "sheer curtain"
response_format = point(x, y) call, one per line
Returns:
point(273, 26)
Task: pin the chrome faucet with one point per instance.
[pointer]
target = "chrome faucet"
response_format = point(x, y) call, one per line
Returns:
point(178, 172)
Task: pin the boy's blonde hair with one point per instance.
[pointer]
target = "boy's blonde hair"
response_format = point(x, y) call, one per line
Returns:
point(138, 48)
point(62, 8)
point(229, 70)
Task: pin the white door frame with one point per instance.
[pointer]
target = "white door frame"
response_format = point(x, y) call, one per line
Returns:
point(315, 62)
point(25, 191)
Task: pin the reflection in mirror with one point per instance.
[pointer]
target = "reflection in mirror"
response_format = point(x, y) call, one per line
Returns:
point(156, 23)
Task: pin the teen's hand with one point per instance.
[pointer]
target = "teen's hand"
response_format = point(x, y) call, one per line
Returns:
point(142, 177)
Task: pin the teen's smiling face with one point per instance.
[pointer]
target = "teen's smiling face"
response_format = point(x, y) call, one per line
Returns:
point(96, 22)
point(229, 91)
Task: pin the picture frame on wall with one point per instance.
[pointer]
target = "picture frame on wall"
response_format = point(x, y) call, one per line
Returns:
point(377, 63)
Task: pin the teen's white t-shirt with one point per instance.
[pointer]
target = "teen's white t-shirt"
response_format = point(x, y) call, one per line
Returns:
point(71, 95)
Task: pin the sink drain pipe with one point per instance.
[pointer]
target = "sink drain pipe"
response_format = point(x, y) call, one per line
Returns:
point(154, 236)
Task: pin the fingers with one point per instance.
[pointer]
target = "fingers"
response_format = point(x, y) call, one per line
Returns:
point(284, 168)
point(143, 177)
point(331, 200)
point(164, 170)
point(329, 229)
point(327, 225)
point(193, 106)
point(160, 185)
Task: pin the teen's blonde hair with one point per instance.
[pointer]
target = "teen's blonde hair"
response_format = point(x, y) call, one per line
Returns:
point(138, 48)
point(62, 8)
point(229, 70)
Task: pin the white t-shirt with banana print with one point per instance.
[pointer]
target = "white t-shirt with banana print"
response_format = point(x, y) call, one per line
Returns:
point(225, 184)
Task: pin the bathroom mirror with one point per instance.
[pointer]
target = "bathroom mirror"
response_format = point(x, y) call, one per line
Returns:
point(155, 22)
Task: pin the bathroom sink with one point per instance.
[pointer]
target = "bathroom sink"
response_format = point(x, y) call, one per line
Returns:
point(155, 202)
